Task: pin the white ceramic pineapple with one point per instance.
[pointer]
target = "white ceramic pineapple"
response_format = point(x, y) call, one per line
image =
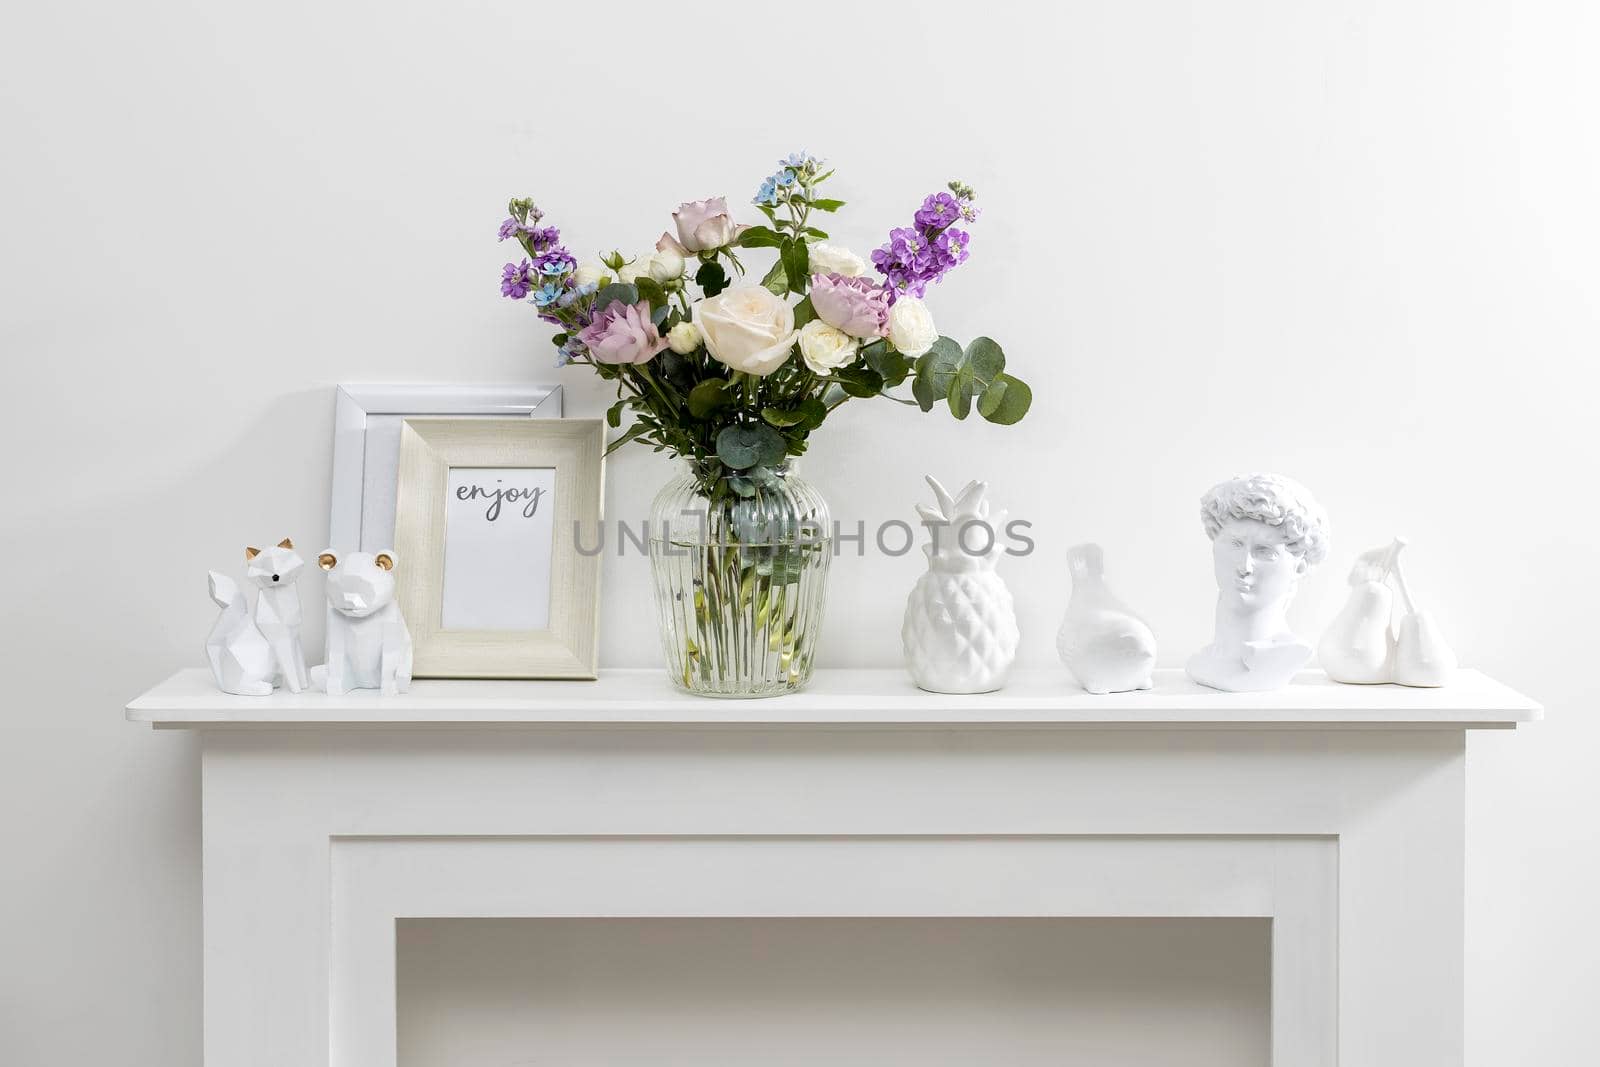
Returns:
point(1106, 646)
point(960, 630)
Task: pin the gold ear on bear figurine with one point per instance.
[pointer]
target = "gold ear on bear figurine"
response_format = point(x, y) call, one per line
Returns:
point(327, 561)
point(286, 543)
point(251, 553)
point(384, 561)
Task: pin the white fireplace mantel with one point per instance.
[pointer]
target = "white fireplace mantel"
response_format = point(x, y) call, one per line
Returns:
point(1336, 812)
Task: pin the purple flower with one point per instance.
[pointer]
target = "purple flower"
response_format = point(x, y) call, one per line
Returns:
point(509, 229)
point(556, 262)
point(516, 280)
point(950, 248)
point(854, 305)
point(938, 211)
point(917, 256)
point(540, 241)
point(623, 333)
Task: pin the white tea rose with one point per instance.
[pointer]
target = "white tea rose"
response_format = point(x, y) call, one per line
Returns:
point(684, 338)
point(628, 273)
point(911, 328)
point(592, 274)
point(825, 348)
point(747, 328)
point(668, 262)
point(836, 259)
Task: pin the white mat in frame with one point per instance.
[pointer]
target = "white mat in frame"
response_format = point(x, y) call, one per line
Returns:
point(366, 446)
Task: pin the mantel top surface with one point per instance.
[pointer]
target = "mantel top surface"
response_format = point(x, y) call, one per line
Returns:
point(841, 698)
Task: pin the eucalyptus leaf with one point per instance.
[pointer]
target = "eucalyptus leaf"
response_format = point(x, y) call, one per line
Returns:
point(814, 411)
point(622, 291)
point(891, 366)
point(745, 446)
point(985, 359)
point(1006, 400)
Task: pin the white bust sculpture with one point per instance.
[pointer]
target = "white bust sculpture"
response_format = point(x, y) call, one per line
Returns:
point(1266, 531)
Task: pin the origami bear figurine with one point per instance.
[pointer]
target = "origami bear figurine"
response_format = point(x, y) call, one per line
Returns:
point(369, 646)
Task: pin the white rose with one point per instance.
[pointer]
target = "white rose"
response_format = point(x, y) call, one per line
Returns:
point(825, 348)
point(592, 274)
point(684, 338)
point(747, 328)
point(911, 328)
point(836, 259)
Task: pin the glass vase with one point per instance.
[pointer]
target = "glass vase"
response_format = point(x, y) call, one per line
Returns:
point(740, 581)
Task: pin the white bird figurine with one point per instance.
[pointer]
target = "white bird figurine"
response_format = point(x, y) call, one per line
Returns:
point(1105, 645)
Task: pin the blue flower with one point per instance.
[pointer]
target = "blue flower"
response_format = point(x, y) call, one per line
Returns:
point(797, 160)
point(784, 177)
point(548, 294)
point(768, 193)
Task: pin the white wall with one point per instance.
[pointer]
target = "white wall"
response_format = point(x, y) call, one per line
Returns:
point(1353, 242)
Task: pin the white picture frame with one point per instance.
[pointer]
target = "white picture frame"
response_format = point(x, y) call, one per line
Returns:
point(568, 456)
point(366, 445)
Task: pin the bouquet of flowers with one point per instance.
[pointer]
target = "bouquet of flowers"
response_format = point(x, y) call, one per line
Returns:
point(737, 379)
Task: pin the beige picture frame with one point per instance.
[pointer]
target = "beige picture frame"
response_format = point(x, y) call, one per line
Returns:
point(429, 449)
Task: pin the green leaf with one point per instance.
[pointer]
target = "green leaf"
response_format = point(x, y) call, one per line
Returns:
point(677, 371)
point(796, 265)
point(922, 390)
point(708, 396)
point(711, 278)
point(859, 381)
point(742, 447)
point(651, 290)
point(814, 411)
point(559, 339)
point(812, 231)
point(628, 435)
point(614, 414)
point(804, 313)
point(827, 205)
point(761, 237)
point(1006, 400)
point(777, 279)
point(622, 291)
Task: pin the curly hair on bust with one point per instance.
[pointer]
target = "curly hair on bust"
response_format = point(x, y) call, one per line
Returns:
point(1274, 500)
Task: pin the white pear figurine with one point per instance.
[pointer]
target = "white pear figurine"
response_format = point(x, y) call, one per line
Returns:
point(1106, 646)
point(1362, 647)
point(1358, 646)
point(1421, 656)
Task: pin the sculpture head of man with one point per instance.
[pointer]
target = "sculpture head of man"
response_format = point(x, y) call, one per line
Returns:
point(1266, 531)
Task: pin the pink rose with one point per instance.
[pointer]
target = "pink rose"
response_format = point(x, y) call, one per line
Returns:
point(854, 305)
point(623, 334)
point(706, 224)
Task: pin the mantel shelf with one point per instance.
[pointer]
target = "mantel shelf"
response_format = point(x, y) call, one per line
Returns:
point(847, 698)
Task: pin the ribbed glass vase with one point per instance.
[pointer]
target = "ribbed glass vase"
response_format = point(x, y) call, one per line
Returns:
point(740, 582)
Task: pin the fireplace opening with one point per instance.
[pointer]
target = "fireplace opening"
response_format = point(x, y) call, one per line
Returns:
point(849, 992)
